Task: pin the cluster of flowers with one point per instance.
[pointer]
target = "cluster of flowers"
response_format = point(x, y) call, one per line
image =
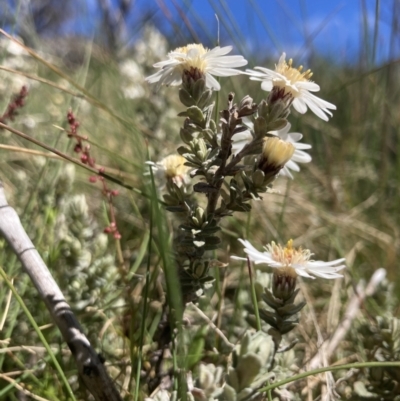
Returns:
point(290, 85)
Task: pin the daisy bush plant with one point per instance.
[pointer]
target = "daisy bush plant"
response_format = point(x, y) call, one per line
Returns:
point(230, 163)
point(192, 276)
point(192, 304)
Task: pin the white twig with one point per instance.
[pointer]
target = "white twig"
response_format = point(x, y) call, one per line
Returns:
point(329, 346)
point(212, 325)
point(330, 383)
point(90, 368)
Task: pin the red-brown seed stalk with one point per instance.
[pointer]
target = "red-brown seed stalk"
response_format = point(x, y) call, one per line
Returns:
point(86, 158)
point(16, 103)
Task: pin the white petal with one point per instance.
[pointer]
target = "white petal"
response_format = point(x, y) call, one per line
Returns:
point(299, 145)
point(155, 77)
point(218, 51)
point(255, 255)
point(264, 71)
point(303, 273)
point(318, 106)
point(165, 63)
point(177, 55)
point(301, 157)
point(299, 105)
point(318, 112)
point(292, 166)
point(227, 61)
point(242, 136)
point(172, 78)
point(323, 274)
point(211, 82)
point(267, 86)
point(224, 72)
point(292, 136)
point(324, 264)
point(285, 172)
point(309, 86)
point(247, 244)
point(320, 102)
point(259, 257)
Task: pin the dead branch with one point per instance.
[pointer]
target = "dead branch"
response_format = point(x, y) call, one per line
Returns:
point(329, 346)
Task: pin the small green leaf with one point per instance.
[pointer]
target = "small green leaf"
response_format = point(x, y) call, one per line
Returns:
point(195, 114)
point(185, 98)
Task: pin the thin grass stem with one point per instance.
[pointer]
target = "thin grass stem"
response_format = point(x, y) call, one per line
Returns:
point(145, 300)
point(38, 332)
point(254, 295)
point(358, 365)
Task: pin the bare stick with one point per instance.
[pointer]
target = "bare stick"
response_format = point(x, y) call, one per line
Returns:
point(329, 346)
point(212, 325)
point(90, 368)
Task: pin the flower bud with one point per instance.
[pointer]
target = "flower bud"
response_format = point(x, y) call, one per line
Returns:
point(190, 76)
point(275, 154)
point(284, 283)
point(280, 97)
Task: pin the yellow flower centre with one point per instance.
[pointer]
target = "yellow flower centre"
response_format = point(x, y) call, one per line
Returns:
point(194, 59)
point(293, 74)
point(288, 256)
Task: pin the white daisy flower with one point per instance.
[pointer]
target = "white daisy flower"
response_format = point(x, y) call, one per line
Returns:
point(291, 83)
point(292, 262)
point(241, 139)
point(197, 62)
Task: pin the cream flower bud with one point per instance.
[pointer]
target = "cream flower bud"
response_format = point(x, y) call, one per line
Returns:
point(275, 154)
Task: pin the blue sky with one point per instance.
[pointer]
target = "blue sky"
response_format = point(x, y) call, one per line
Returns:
point(338, 29)
point(335, 28)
